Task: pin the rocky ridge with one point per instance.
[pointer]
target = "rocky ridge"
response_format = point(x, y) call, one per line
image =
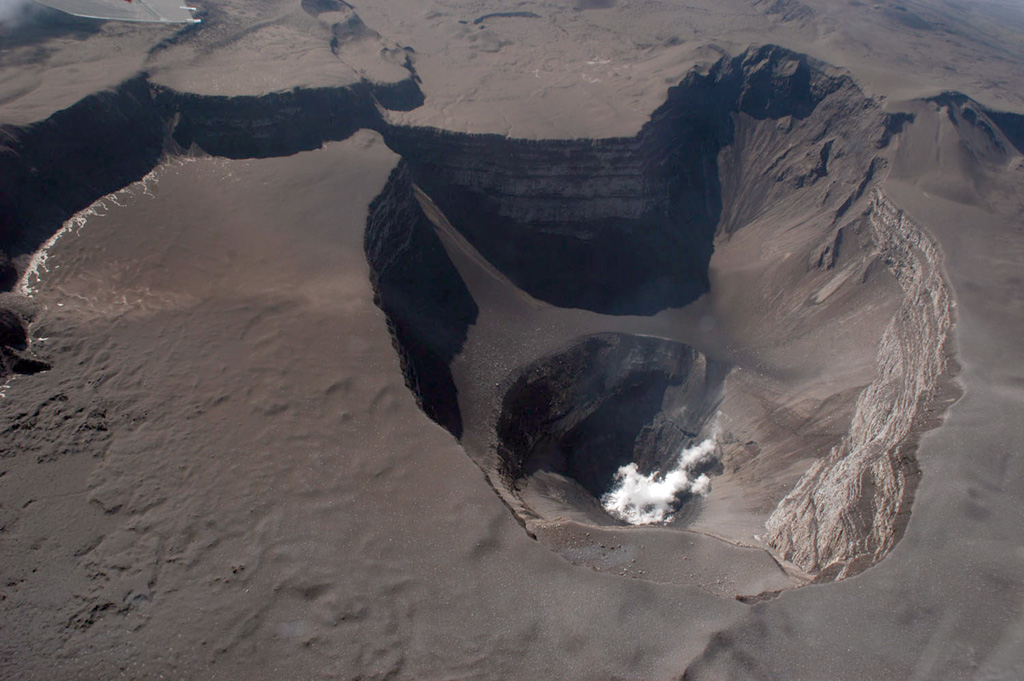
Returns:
point(849, 508)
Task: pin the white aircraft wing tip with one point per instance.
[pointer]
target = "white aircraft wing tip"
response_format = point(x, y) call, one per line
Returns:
point(156, 11)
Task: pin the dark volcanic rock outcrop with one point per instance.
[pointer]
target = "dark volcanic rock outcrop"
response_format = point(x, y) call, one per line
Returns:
point(315, 8)
point(12, 330)
point(15, 356)
point(282, 123)
point(1012, 126)
point(52, 169)
point(607, 401)
point(428, 306)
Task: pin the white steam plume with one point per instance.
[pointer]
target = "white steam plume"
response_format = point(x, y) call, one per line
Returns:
point(645, 499)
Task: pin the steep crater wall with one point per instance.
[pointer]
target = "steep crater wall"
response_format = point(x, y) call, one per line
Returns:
point(281, 123)
point(578, 223)
point(607, 401)
point(428, 306)
point(620, 225)
point(52, 169)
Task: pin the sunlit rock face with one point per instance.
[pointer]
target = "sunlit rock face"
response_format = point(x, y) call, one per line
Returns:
point(847, 511)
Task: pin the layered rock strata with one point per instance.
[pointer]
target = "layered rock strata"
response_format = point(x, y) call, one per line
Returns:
point(627, 225)
point(281, 123)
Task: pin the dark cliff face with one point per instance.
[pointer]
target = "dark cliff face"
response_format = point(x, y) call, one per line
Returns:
point(618, 226)
point(1012, 126)
point(428, 306)
point(282, 123)
point(52, 169)
point(276, 124)
point(605, 402)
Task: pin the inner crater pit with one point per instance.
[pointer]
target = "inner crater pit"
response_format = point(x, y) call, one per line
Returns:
point(615, 429)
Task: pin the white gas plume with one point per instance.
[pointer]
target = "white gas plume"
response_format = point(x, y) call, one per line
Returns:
point(647, 499)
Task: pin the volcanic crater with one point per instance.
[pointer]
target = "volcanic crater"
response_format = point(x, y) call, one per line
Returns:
point(731, 274)
point(567, 308)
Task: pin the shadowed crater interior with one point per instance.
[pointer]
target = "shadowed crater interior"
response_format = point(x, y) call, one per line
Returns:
point(573, 419)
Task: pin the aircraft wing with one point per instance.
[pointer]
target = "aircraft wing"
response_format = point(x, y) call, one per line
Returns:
point(163, 11)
